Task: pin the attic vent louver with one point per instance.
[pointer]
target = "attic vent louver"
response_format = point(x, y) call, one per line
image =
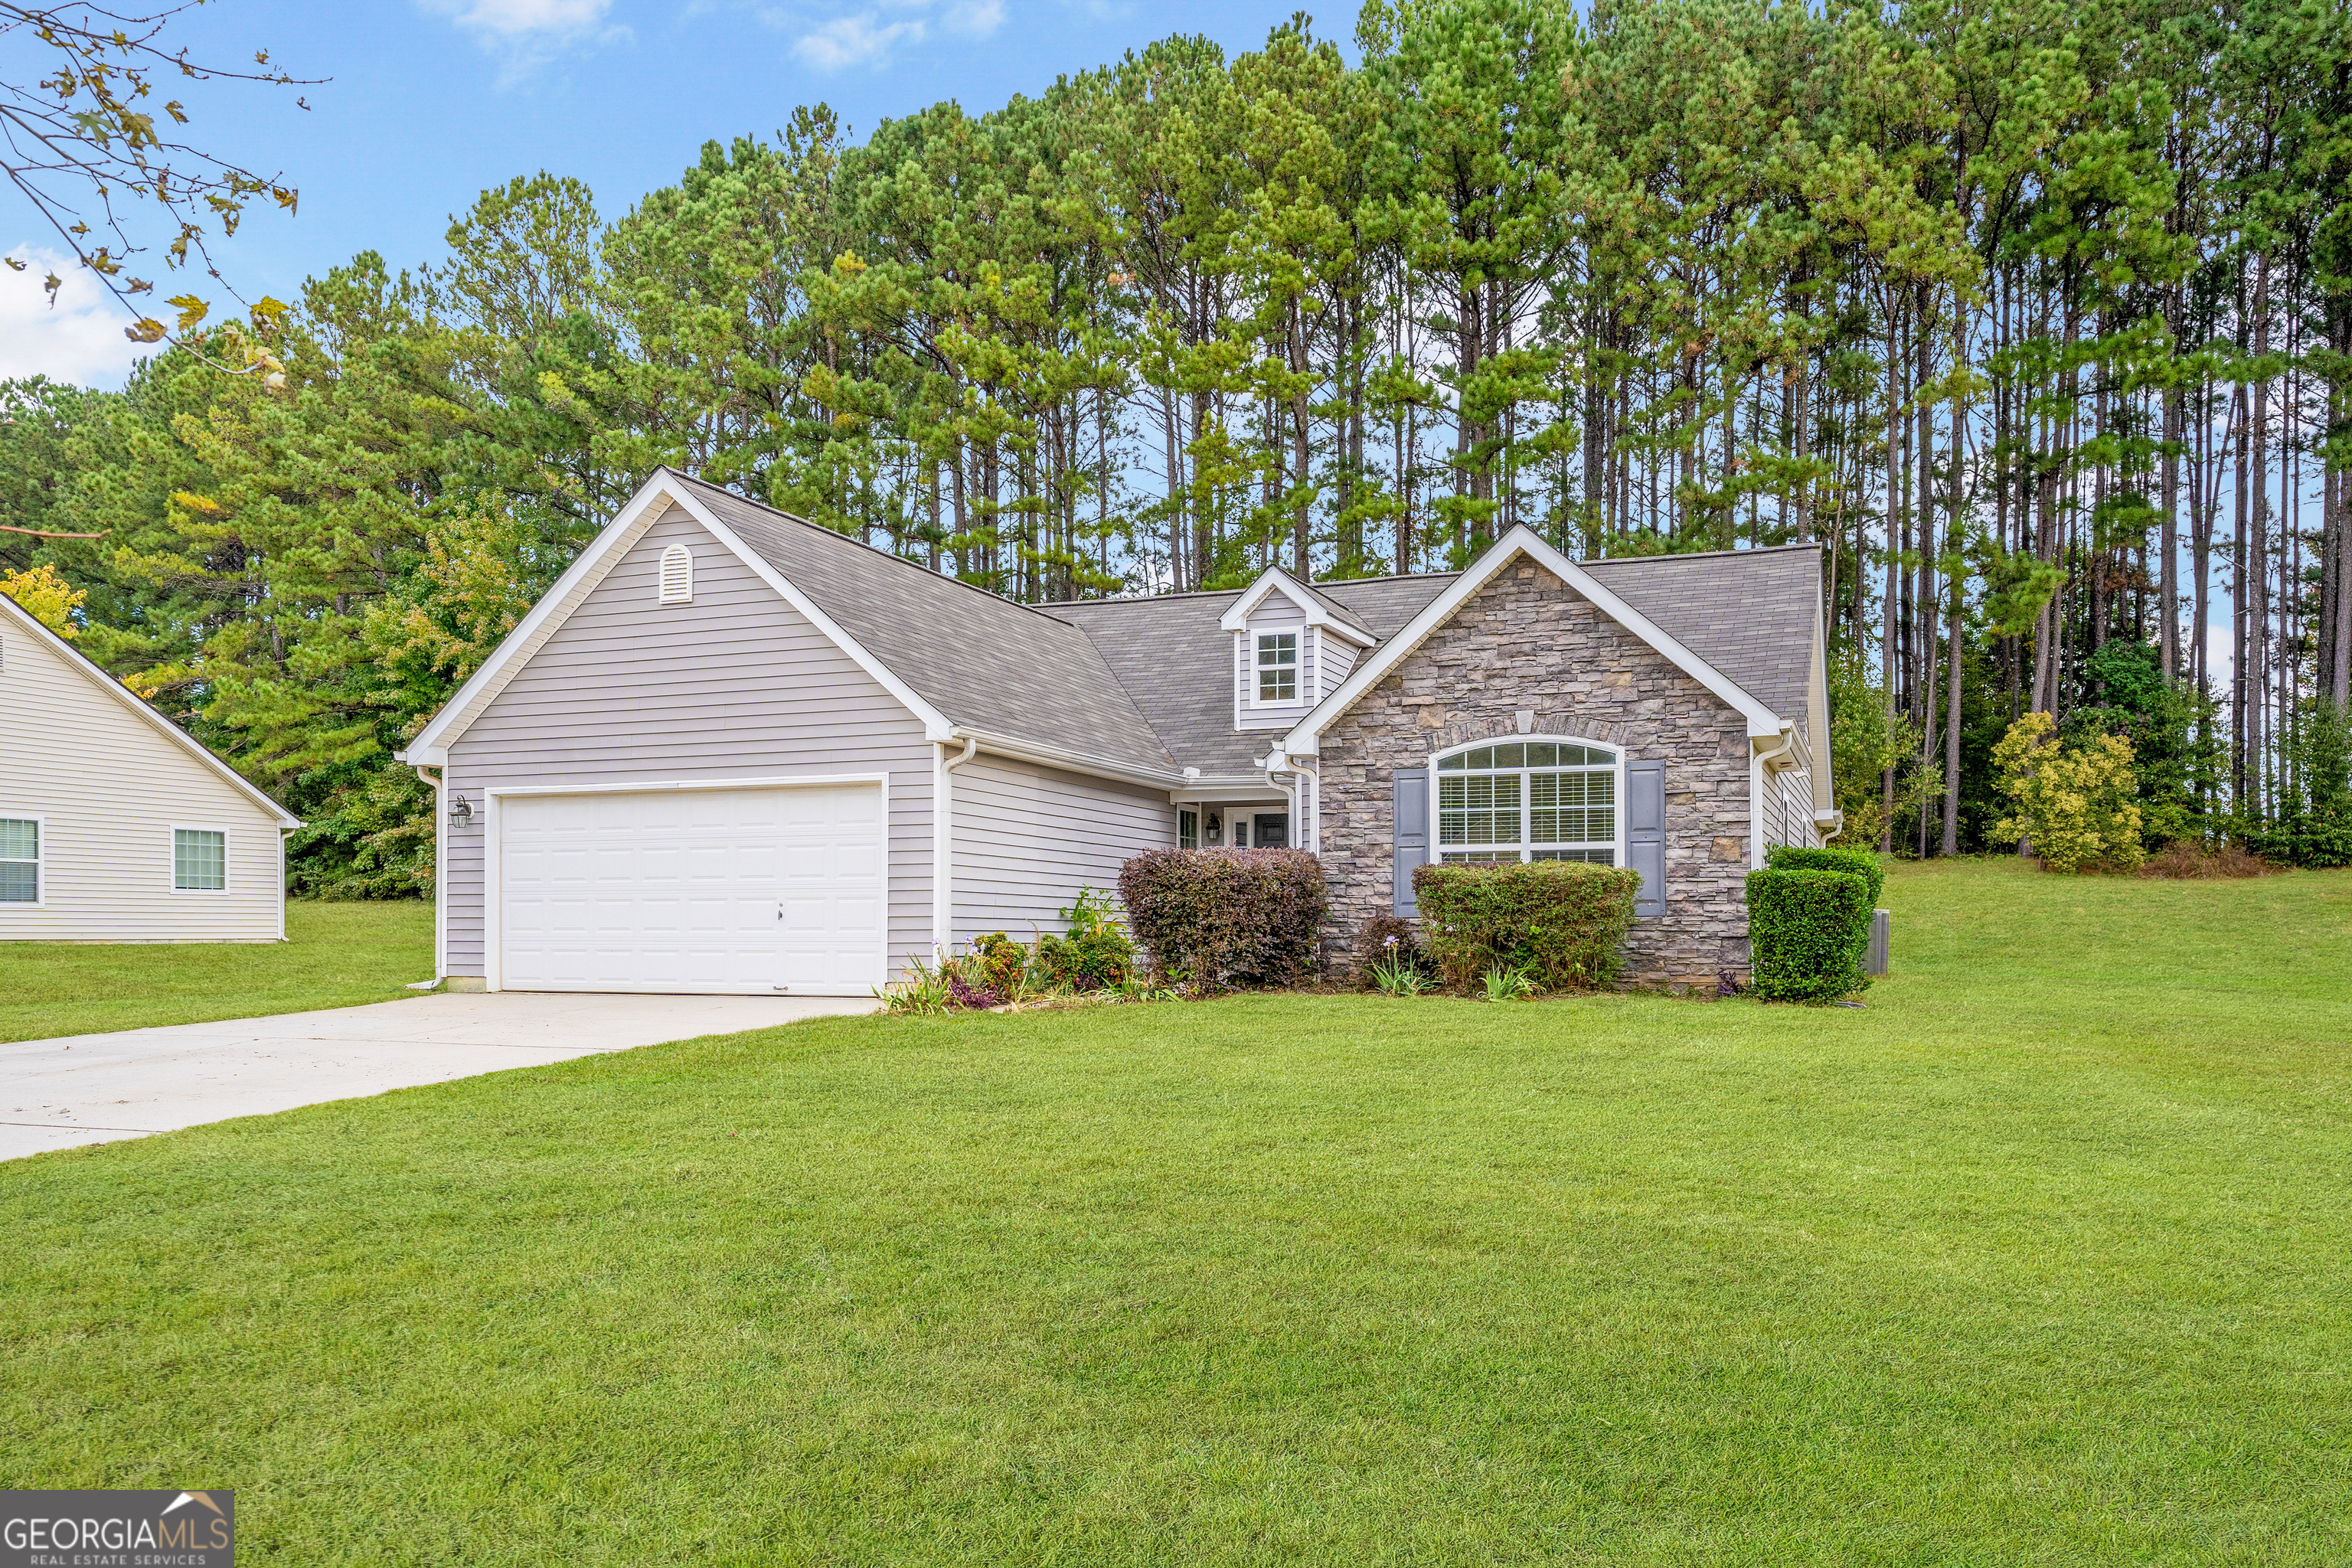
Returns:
point(677, 575)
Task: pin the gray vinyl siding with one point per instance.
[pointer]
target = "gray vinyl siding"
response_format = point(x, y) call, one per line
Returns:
point(1335, 657)
point(108, 789)
point(736, 684)
point(1028, 838)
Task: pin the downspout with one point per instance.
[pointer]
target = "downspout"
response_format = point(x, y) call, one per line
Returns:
point(1307, 804)
point(1757, 772)
point(943, 844)
point(436, 777)
point(1278, 762)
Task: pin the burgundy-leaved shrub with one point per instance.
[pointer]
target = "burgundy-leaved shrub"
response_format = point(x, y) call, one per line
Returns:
point(1225, 917)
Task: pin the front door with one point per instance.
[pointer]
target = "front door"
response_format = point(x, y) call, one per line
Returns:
point(1270, 830)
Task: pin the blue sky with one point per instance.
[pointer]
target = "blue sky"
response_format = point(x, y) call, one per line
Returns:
point(432, 101)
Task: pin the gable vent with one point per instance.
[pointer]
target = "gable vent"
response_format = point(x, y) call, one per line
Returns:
point(677, 575)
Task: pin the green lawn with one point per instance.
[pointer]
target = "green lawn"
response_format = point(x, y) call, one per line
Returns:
point(334, 956)
point(2040, 1259)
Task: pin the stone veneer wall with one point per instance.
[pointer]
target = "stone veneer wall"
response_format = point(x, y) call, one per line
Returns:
point(1527, 641)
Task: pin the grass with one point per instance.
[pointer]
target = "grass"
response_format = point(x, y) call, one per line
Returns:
point(2039, 1258)
point(334, 956)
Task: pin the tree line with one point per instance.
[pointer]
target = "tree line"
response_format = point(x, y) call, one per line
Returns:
point(2036, 317)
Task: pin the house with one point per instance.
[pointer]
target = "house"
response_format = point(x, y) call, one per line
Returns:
point(115, 824)
point(734, 750)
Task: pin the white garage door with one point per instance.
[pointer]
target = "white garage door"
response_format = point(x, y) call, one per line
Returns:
point(757, 890)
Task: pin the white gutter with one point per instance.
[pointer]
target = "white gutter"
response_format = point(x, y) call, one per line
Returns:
point(943, 844)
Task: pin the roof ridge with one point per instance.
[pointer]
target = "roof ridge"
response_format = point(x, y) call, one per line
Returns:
point(1698, 555)
point(1236, 593)
point(862, 544)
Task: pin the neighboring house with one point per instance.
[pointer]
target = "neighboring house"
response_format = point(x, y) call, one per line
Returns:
point(733, 750)
point(115, 825)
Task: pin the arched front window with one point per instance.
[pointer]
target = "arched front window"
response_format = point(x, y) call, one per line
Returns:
point(1529, 800)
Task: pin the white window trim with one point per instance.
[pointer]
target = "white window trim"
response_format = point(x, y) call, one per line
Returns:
point(172, 865)
point(1437, 846)
point(1194, 813)
point(40, 861)
point(1298, 668)
point(684, 556)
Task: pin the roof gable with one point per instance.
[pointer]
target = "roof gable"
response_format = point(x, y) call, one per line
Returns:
point(963, 660)
point(1318, 611)
point(654, 499)
point(1304, 737)
point(18, 618)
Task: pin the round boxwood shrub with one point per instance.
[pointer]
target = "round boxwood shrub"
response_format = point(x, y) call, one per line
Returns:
point(1809, 931)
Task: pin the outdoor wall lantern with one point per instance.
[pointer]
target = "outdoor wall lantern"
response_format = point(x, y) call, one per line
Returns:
point(461, 812)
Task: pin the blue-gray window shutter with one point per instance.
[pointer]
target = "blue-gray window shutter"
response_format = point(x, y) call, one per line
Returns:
point(1412, 833)
point(1645, 834)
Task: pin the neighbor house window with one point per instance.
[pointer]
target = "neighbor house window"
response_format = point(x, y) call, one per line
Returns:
point(199, 860)
point(677, 575)
point(1188, 830)
point(1529, 800)
point(20, 860)
point(1278, 667)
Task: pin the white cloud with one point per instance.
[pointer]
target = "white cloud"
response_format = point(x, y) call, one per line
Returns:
point(975, 19)
point(866, 38)
point(527, 34)
point(856, 40)
point(79, 340)
point(518, 19)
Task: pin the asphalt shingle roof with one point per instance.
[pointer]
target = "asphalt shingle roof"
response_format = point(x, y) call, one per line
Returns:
point(1171, 654)
point(1146, 682)
point(1748, 613)
point(984, 661)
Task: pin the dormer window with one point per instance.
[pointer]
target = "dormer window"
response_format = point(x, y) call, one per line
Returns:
point(1278, 667)
point(1290, 648)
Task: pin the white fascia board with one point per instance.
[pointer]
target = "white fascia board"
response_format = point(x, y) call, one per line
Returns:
point(1306, 738)
point(430, 747)
point(1318, 613)
point(935, 723)
point(1037, 752)
point(33, 627)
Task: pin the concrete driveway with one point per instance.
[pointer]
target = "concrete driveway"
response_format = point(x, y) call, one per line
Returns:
point(94, 1088)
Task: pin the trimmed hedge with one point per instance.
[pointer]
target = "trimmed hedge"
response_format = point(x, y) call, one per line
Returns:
point(1225, 917)
point(1809, 931)
point(1853, 862)
point(1562, 923)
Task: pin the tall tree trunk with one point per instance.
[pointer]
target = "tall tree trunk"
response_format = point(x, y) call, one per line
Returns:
point(1894, 531)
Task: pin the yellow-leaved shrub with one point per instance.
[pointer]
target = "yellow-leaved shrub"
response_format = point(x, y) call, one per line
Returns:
point(2076, 806)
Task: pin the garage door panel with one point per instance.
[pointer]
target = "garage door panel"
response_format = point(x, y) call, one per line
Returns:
point(725, 889)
